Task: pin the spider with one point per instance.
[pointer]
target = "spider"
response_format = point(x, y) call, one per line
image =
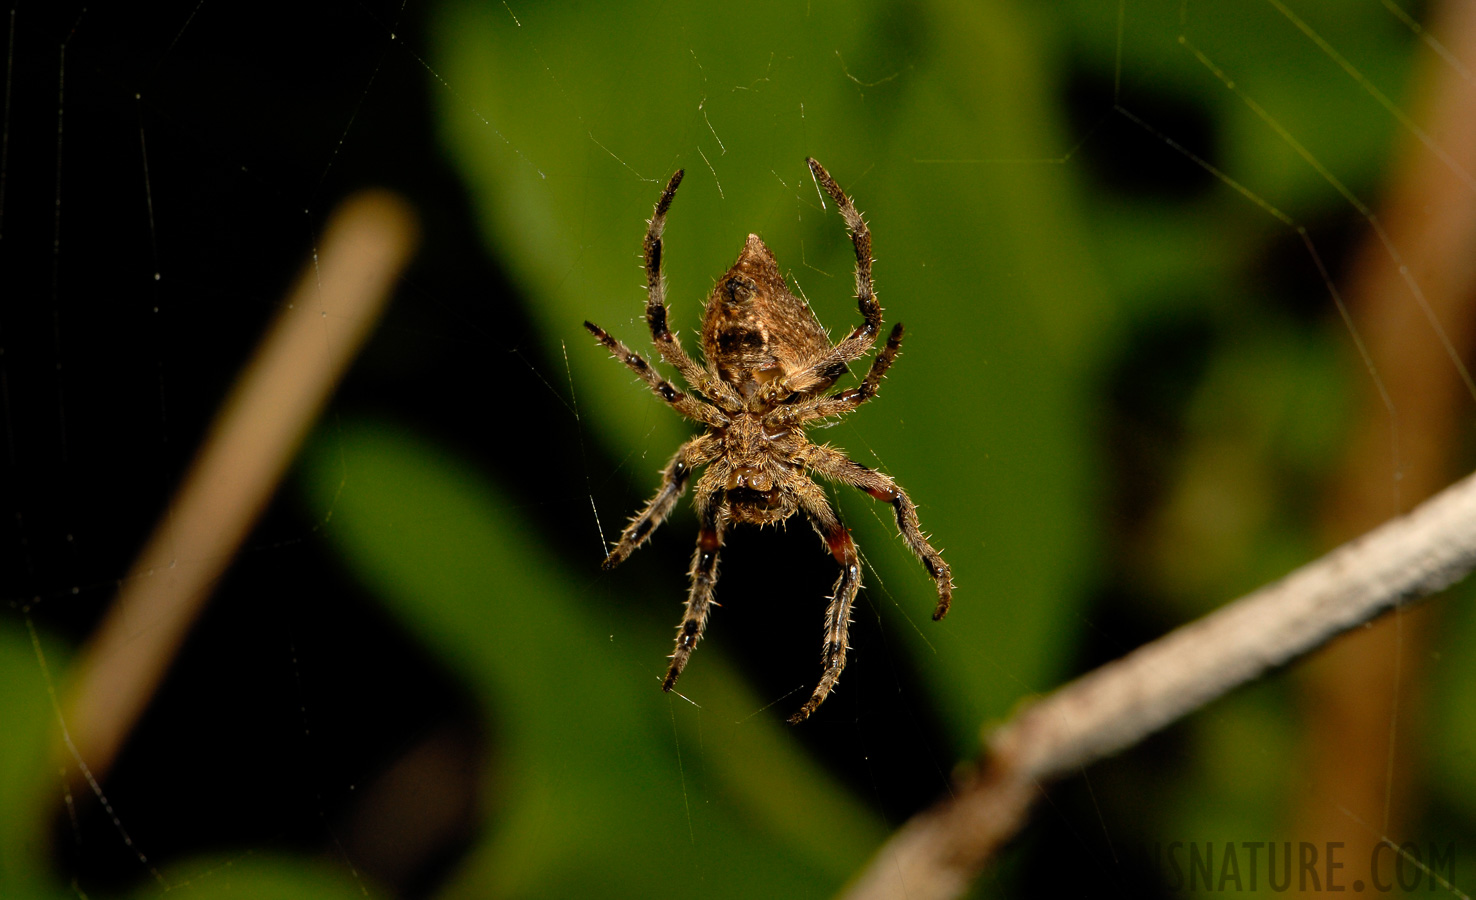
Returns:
point(768, 366)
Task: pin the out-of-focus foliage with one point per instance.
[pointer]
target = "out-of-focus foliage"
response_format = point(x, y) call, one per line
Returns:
point(592, 791)
point(1048, 304)
point(986, 419)
point(24, 790)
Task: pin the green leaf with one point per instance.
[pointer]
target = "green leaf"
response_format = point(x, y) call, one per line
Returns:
point(30, 790)
point(258, 877)
point(935, 118)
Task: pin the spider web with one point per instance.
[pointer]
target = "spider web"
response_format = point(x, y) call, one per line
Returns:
point(1179, 319)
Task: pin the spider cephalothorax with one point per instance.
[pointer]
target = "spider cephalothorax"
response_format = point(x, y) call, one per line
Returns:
point(768, 366)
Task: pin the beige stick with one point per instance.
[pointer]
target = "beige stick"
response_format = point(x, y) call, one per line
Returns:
point(330, 311)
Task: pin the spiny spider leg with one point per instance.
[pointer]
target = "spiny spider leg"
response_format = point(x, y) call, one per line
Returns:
point(845, 401)
point(824, 370)
point(712, 512)
point(836, 466)
point(684, 403)
point(666, 343)
point(838, 614)
point(698, 451)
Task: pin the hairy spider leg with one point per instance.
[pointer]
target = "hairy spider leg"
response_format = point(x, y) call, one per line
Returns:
point(682, 402)
point(845, 401)
point(712, 512)
point(666, 343)
point(836, 466)
point(821, 371)
point(698, 451)
point(838, 614)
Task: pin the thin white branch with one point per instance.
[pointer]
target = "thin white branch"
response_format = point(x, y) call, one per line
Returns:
point(937, 854)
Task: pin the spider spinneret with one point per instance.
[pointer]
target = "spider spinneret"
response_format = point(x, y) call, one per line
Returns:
point(768, 367)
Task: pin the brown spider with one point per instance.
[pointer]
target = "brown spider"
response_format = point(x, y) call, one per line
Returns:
point(768, 365)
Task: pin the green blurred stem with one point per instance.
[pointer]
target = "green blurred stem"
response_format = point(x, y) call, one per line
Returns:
point(937, 854)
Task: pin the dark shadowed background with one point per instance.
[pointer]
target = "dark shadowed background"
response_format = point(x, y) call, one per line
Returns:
point(1160, 351)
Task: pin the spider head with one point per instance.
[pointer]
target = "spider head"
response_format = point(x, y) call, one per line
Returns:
point(761, 507)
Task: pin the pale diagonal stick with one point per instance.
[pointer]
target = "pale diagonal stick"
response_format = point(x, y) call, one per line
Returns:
point(939, 851)
point(257, 432)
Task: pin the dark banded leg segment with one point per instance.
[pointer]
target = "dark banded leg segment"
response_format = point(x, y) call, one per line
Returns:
point(845, 401)
point(836, 466)
point(821, 372)
point(838, 614)
point(666, 343)
point(862, 337)
point(682, 402)
point(704, 576)
point(696, 452)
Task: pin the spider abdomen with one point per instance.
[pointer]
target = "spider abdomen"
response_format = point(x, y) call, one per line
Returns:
point(753, 329)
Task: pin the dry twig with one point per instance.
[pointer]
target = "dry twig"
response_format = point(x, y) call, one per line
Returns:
point(937, 854)
point(338, 297)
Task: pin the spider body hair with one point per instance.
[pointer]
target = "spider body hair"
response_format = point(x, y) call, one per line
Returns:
point(768, 365)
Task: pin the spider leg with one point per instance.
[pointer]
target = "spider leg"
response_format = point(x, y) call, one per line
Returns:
point(682, 402)
point(838, 614)
point(698, 451)
point(845, 401)
point(666, 343)
point(837, 466)
point(823, 370)
point(713, 514)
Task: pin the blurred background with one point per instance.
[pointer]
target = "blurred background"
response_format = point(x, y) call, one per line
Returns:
point(1188, 288)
